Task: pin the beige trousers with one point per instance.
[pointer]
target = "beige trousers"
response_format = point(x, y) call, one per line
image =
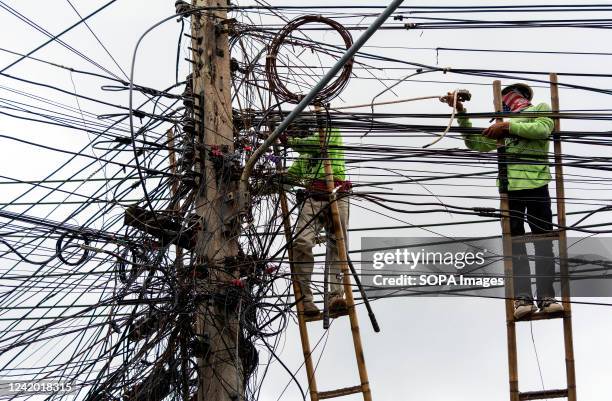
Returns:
point(307, 230)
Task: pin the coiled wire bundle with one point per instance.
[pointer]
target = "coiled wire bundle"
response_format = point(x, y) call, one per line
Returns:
point(333, 89)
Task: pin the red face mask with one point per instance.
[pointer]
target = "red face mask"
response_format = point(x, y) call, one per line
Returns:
point(515, 101)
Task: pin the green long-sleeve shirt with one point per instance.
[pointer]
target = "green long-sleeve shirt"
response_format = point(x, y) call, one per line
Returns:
point(309, 165)
point(529, 136)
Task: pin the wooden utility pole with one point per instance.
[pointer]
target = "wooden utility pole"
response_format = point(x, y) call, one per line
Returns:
point(220, 371)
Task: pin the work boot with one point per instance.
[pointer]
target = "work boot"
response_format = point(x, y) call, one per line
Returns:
point(337, 306)
point(310, 309)
point(523, 307)
point(550, 305)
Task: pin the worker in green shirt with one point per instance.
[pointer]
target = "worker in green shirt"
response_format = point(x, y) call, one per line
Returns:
point(527, 146)
point(307, 171)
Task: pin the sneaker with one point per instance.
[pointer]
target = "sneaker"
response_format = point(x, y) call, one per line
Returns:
point(523, 307)
point(337, 306)
point(550, 305)
point(310, 309)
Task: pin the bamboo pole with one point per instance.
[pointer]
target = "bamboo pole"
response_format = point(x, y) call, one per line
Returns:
point(507, 245)
point(346, 275)
point(310, 372)
point(564, 270)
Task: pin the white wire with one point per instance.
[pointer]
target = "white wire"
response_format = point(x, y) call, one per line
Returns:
point(450, 123)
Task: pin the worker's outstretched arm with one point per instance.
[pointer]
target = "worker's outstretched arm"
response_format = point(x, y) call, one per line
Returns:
point(308, 145)
point(311, 144)
point(297, 173)
point(476, 142)
point(539, 128)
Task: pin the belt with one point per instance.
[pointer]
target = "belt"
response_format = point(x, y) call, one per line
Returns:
point(321, 185)
point(317, 190)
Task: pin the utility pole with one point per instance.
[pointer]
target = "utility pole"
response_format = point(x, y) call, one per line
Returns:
point(220, 369)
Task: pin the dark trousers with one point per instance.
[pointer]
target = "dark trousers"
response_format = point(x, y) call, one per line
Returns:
point(534, 206)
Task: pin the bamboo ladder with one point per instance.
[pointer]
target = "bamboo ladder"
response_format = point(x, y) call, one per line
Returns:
point(364, 386)
point(561, 236)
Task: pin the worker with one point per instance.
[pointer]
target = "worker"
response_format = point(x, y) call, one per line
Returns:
point(314, 215)
point(527, 147)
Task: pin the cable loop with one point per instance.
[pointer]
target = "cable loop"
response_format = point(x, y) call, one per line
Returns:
point(328, 93)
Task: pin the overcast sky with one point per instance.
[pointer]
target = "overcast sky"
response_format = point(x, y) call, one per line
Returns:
point(429, 349)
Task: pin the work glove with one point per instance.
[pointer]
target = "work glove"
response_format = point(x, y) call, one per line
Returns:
point(450, 99)
point(497, 130)
point(283, 138)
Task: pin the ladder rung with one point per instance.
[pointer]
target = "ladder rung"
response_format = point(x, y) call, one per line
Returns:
point(530, 237)
point(542, 395)
point(339, 392)
point(320, 317)
point(541, 316)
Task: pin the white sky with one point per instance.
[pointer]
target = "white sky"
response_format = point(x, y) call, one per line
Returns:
point(430, 349)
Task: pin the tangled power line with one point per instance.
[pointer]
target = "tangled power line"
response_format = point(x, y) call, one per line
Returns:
point(99, 275)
